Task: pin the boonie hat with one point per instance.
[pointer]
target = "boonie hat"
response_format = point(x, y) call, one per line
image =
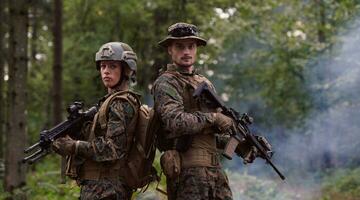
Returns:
point(180, 31)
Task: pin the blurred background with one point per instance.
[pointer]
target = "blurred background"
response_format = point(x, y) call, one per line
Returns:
point(292, 65)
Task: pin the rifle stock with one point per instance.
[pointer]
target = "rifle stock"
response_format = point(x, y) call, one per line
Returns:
point(205, 94)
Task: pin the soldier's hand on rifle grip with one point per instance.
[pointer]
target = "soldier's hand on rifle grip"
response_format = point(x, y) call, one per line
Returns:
point(223, 122)
point(246, 151)
point(251, 155)
point(64, 146)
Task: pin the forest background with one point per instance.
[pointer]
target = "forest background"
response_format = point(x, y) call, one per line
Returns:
point(292, 65)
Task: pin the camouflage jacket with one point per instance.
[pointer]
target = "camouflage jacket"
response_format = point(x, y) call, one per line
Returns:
point(112, 144)
point(176, 117)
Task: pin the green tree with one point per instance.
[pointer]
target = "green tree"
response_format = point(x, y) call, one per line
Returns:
point(268, 48)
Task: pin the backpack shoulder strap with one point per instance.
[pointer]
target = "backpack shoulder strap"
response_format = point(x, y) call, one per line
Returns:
point(129, 96)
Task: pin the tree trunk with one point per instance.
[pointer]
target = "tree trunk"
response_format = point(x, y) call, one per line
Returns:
point(16, 123)
point(57, 68)
point(57, 72)
point(2, 69)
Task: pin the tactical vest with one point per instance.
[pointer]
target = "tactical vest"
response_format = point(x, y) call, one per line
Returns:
point(201, 150)
point(92, 170)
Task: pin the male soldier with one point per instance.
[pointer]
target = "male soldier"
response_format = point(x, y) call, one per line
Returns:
point(105, 142)
point(191, 160)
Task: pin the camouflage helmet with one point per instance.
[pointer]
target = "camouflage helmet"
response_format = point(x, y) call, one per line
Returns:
point(116, 51)
point(180, 31)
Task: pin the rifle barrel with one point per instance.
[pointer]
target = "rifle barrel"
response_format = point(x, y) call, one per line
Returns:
point(38, 156)
point(32, 147)
point(275, 168)
point(32, 156)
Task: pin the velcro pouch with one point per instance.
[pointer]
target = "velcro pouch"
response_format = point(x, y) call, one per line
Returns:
point(170, 163)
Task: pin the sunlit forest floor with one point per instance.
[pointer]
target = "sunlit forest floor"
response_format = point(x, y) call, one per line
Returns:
point(43, 183)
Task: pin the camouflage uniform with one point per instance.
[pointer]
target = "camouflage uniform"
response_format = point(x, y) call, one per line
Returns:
point(190, 126)
point(107, 148)
point(200, 183)
point(104, 189)
point(97, 159)
point(181, 119)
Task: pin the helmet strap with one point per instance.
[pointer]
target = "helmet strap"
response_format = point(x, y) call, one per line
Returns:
point(123, 83)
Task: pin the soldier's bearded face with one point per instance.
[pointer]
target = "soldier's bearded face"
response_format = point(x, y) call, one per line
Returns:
point(110, 72)
point(183, 52)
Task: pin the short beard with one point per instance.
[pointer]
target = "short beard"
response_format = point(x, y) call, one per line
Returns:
point(185, 66)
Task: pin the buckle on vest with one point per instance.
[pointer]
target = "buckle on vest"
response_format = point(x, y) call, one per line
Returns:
point(215, 159)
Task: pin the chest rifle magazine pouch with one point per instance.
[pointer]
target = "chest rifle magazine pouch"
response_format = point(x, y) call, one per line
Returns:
point(170, 163)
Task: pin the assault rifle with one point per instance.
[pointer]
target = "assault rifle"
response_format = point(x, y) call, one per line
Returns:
point(71, 127)
point(206, 95)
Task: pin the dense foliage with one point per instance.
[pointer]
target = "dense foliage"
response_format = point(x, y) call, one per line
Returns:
point(342, 184)
point(258, 51)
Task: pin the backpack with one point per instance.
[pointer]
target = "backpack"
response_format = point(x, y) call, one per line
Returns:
point(142, 152)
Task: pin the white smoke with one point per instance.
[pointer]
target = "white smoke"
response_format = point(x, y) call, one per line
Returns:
point(330, 137)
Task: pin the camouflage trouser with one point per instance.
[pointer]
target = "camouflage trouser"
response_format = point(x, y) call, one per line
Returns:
point(104, 189)
point(200, 183)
